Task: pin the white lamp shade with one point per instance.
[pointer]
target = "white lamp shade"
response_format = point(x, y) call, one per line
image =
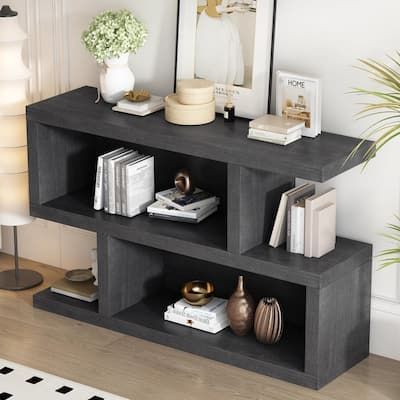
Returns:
point(14, 185)
point(13, 131)
point(13, 160)
point(12, 66)
point(14, 200)
point(10, 31)
point(12, 97)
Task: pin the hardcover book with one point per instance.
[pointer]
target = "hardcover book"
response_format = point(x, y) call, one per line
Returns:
point(274, 138)
point(85, 291)
point(313, 220)
point(299, 98)
point(183, 202)
point(304, 191)
point(276, 124)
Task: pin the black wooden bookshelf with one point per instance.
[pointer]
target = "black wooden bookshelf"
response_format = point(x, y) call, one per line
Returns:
point(143, 261)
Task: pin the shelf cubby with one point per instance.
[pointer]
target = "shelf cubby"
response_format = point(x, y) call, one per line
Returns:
point(143, 262)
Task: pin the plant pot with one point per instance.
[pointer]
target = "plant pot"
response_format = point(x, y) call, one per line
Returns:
point(116, 78)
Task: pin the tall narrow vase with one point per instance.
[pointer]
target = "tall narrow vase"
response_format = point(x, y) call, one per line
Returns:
point(240, 310)
point(116, 78)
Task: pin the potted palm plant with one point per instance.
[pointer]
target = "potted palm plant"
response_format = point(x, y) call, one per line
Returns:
point(111, 37)
point(384, 109)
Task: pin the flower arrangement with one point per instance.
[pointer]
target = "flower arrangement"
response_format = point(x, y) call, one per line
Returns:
point(113, 33)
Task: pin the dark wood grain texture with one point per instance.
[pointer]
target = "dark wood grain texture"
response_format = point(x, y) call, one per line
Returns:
point(316, 159)
point(143, 262)
point(253, 200)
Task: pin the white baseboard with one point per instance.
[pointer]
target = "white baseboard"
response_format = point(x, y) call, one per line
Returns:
point(385, 328)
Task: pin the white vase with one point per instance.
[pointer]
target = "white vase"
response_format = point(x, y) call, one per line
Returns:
point(116, 78)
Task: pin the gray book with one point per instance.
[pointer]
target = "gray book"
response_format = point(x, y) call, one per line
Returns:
point(304, 191)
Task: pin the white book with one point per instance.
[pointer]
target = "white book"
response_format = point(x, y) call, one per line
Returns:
point(142, 106)
point(297, 228)
point(99, 188)
point(139, 186)
point(126, 158)
point(123, 193)
point(106, 159)
point(262, 138)
point(278, 137)
point(299, 97)
point(162, 208)
point(191, 323)
point(183, 219)
point(192, 314)
point(324, 230)
point(276, 124)
point(278, 235)
point(216, 306)
point(111, 180)
point(174, 198)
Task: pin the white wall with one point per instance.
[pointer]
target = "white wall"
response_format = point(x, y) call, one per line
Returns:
point(317, 37)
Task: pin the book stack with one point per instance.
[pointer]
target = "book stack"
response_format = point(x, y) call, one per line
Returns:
point(193, 208)
point(141, 109)
point(306, 221)
point(274, 129)
point(85, 291)
point(211, 318)
point(124, 182)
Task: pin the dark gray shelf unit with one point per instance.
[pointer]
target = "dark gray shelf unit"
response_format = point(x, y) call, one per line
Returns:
point(142, 261)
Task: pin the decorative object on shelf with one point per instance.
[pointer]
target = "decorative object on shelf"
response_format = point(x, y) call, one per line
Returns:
point(184, 182)
point(240, 310)
point(79, 275)
point(137, 96)
point(14, 193)
point(299, 97)
point(237, 34)
point(188, 114)
point(110, 38)
point(195, 91)
point(268, 321)
point(124, 182)
point(198, 293)
point(140, 108)
point(211, 317)
point(229, 112)
point(275, 129)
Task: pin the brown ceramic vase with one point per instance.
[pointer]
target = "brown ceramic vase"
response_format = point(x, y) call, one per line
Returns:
point(240, 310)
point(268, 322)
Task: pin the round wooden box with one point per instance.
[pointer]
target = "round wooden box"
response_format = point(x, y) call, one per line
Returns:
point(195, 91)
point(184, 114)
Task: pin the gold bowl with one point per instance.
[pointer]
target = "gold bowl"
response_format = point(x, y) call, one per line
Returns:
point(198, 293)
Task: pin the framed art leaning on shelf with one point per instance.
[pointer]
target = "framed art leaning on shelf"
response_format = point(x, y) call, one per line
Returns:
point(229, 42)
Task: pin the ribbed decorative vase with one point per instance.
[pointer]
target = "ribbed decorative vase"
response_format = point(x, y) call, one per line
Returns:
point(268, 322)
point(240, 310)
point(116, 78)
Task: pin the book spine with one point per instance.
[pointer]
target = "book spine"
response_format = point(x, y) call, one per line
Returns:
point(193, 315)
point(105, 185)
point(118, 208)
point(194, 324)
point(111, 187)
point(297, 237)
point(99, 192)
point(308, 229)
point(289, 229)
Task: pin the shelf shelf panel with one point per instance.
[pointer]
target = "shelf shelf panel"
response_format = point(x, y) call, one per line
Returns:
point(145, 320)
point(76, 209)
point(207, 241)
point(316, 159)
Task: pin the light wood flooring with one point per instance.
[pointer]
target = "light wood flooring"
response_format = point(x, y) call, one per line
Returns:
point(145, 371)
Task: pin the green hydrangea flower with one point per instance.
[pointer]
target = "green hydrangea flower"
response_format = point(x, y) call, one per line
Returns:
point(113, 33)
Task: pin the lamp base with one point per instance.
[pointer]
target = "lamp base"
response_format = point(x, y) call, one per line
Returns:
point(26, 279)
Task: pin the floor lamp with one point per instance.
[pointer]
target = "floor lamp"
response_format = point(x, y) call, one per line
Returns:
point(14, 191)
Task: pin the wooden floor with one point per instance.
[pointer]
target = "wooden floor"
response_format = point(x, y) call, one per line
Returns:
point(141, 370)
